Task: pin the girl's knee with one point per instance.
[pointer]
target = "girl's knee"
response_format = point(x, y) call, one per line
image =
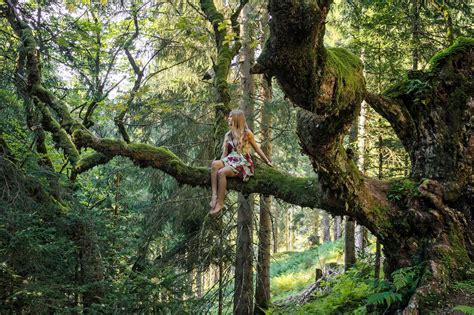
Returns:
point(221, 173)
point(216, 164)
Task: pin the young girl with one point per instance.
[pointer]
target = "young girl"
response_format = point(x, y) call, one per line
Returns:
point(235, 160)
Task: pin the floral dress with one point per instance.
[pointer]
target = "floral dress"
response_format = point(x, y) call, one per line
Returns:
point(241, 164)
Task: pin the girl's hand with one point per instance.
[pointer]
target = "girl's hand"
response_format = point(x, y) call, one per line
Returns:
point(269, 163)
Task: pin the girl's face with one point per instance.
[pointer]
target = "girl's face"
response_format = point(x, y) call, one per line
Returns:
point(229, 120)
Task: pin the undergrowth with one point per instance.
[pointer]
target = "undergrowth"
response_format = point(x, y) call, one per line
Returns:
point(353, 292)
point(291, 272)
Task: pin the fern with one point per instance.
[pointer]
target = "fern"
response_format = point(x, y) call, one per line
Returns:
point(405, 278)
point(381, 298)
point(467, 285)
point(464, 308)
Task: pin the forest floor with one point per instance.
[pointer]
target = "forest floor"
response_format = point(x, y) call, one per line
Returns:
point(353, 292)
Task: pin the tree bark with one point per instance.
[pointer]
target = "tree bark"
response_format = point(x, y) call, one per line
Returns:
point(326, 227)
point(243, 288)
point(337, 227)
point(349, 245)
point(262, 290)
point(243, 291)
point(431, 226)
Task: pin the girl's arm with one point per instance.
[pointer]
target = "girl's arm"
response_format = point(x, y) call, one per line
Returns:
point(224, 150)
point(258, 149)
point(224, 153)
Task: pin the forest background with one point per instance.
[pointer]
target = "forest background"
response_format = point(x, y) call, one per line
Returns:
point(82, 231)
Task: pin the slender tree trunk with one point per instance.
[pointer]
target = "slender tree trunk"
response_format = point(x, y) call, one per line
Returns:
point(415, 16)
point(316, 223)
point(276, 230)
point(243, 289)
point(378, 253)
point(359, 239)
point(326, 227)
point(378, 259)
point(337, 227)
point(262, 290)
point(221, 267)
point(349, 246)
point(243, 292)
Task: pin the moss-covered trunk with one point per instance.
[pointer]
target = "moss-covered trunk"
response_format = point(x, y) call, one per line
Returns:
point(431, 113)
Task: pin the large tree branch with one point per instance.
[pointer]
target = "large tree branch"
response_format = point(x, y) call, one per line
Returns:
point(328, 85)
point(303, 191)
point(397, 115)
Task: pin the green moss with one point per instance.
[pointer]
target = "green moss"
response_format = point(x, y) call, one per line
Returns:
point(380, 215)
point(347, 67)
point(418, 84)
point(60, 137)
point(455, 256)
point(462, 44)
point(91, 160)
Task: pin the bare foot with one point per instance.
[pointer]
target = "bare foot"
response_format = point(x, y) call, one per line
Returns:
point(217, 209)
point(213, 201)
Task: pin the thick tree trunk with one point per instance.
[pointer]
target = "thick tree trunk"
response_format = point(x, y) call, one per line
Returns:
point(431, 226)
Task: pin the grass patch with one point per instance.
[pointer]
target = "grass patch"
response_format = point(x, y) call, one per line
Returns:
point(291, 272)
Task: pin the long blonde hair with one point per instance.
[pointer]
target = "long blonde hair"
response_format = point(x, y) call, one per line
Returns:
point(238, 130)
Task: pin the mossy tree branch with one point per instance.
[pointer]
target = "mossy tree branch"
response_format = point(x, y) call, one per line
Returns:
point(303, 191)
point(60, 137)
point(328, 85)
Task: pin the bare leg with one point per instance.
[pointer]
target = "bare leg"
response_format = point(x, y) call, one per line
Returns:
point(215, 167)
point(222, 175)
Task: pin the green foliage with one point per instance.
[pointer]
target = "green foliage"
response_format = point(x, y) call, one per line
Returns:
point(353, 292)
point(291, 261)
point(346, 292)
point(406, 278)
point(384, 298)
point(467, 285)
point(465, 309)
point(401, 189)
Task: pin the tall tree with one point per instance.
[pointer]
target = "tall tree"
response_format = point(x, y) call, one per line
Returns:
point(243, 288)
point(329, 92)
point(326, 227)
point(262, 290)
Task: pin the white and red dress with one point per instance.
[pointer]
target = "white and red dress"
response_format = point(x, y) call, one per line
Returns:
point(241, 164)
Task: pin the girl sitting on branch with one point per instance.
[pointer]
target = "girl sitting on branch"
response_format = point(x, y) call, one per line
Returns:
point(235, 160)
